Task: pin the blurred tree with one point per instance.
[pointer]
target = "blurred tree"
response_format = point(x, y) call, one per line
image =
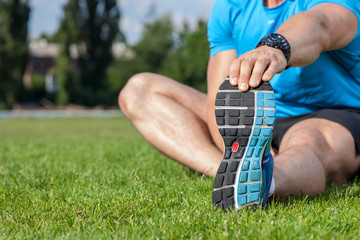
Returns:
point(14, 16)
point(89, 27)
point(50, 38)
point(150, 53)
point(156, 43)
point(188, 63)
point(182, 55)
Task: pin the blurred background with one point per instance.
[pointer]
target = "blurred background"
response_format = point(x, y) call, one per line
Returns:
point(60, 53)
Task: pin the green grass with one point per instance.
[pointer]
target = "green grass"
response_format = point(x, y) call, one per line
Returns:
point(84, 178)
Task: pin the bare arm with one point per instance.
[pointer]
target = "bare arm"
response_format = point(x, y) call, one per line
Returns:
point(218, 69)
point(323, 27)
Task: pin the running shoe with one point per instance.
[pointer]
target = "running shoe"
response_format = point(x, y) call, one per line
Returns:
point(245, 121)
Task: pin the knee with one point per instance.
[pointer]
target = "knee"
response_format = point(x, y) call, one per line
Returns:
point(133, 92)
point(299, 135)
point(123, 101)
point(303, 138)
point(313, 136)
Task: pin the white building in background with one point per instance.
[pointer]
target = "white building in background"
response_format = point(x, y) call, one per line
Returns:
point(41, 48)
point(42, 56)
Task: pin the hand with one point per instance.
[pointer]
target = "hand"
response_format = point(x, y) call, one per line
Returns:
point(259, 64)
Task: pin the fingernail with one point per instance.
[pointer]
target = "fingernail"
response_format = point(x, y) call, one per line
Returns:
point(267, 77)
point(234, 81)
point(253, 82)
point(243, 87)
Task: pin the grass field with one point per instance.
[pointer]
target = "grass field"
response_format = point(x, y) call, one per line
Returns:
point(92, 178)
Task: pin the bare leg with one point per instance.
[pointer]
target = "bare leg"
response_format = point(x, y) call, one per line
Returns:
point(313, 153)
point(172, 117)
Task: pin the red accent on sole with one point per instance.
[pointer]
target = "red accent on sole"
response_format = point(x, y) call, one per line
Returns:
point(235, 147)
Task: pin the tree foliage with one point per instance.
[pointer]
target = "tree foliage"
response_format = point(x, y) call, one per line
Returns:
point(155, 44)
point(14, 16)
point(188, 64)
point(90, 27)
point(179, 54)
point(85, 71)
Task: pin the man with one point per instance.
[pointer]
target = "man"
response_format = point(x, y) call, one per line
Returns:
point(316, 139)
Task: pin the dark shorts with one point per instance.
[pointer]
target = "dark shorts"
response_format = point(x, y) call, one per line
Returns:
point(348, 118)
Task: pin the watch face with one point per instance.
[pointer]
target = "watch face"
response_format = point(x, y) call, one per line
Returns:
point(273, 37)
point(278, 41)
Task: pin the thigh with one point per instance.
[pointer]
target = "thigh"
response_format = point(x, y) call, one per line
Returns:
point(141, 87)
point(332, 142)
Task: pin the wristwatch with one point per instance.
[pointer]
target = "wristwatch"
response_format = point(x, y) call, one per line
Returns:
point(277, 41)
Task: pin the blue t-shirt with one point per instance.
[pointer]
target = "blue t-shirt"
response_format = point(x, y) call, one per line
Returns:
point(332, 81)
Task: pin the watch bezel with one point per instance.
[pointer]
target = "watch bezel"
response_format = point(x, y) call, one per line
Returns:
point(277, 41)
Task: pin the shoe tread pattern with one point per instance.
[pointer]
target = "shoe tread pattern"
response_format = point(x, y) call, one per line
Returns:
point(229, 121)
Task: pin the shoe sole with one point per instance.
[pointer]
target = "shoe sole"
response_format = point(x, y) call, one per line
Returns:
point(245, 123)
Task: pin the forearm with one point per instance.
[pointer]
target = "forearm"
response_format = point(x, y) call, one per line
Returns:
point(312, 32)
point(322, 28)
point(307, 35)
point(218, 69)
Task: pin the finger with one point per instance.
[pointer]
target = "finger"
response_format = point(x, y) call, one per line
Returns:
point(274, 67)
point(258, 71)
point(245, 73)
point(234, 72)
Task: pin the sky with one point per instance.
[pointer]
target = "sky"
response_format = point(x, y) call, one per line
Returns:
point(46, 14)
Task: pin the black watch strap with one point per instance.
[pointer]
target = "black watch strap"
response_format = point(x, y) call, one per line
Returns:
point(278, 41)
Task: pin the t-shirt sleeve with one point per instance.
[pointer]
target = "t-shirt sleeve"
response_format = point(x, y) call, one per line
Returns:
point(219, 28)
point(352, 5)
